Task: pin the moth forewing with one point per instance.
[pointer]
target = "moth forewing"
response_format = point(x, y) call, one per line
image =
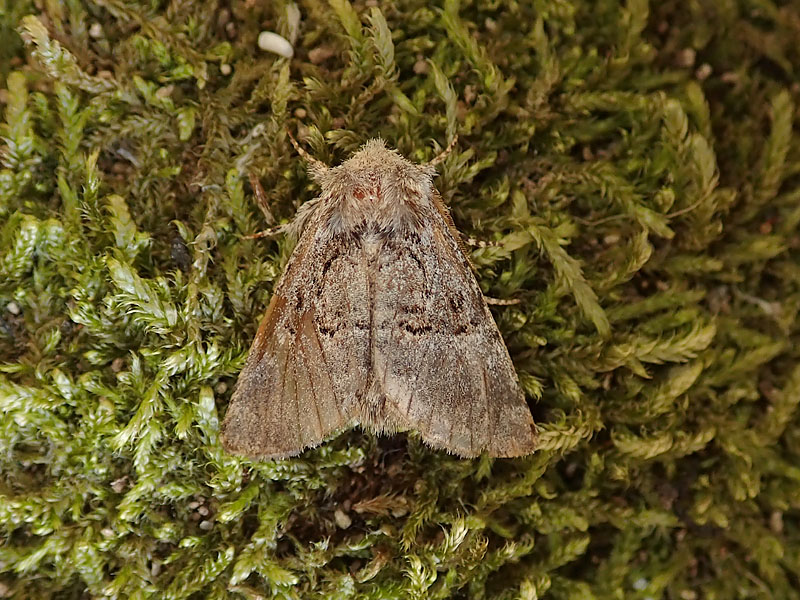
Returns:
point(447, 372)
point(284, 401)
point(378, 320)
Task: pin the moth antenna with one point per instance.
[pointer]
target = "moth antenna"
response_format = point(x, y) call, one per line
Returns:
point(443, 154)
point(316, 167)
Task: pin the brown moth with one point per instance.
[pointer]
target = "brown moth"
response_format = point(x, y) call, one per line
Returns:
point(378, 320)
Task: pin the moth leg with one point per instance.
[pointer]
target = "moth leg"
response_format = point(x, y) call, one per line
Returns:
point(490, 244)
point(501, 301)
point(443, 154)
point(481, 243)
point(271, 232)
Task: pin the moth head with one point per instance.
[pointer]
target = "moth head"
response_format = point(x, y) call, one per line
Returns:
point(375, 157)
point(376, 171)
point(373, 161)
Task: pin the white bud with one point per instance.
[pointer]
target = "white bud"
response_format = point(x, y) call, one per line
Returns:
point(272, 42)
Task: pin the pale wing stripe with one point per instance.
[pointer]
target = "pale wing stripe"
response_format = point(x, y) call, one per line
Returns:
point(491, 421)
point(392, 340)
point(327, 370)
point(282, 388)
point(451, 319)
point(320, 431)
point(298, 435)
point(371, 323)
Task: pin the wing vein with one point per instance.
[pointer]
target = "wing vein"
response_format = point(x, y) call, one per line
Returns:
point(327, 370)
point(489, 418)
point(320, 430)
point(296, 404)
point(370, 322)
point(451, 317)
point(282, 393)
point(451, 320)
point(417, 379)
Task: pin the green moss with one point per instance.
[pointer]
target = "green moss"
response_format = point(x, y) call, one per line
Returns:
point(640, 167)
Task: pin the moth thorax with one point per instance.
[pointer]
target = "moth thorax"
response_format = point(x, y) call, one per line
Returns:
point(371, 243)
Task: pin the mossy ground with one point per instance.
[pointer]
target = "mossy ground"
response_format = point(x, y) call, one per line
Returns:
point(641, 167)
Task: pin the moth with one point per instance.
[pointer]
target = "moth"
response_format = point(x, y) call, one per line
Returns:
point(377, 321)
